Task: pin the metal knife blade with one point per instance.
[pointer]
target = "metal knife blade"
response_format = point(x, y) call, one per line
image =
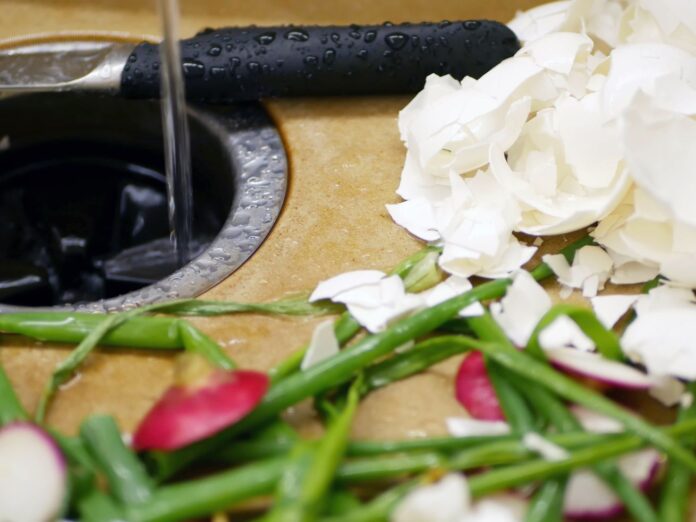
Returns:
point(59, 66)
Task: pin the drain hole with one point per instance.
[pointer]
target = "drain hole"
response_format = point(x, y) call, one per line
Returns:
point(83, 221)
point(83, 209)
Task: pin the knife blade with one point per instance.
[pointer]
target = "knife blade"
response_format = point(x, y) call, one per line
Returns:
point(248, 63)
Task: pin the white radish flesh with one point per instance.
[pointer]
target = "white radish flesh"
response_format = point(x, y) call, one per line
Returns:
point(587, 496)
point(596, 367)
point(33, 476)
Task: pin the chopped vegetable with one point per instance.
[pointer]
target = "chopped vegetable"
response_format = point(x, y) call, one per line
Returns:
point(203, 401)
point(33, 474)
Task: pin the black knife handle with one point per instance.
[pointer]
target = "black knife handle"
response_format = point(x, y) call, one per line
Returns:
point(255, 62)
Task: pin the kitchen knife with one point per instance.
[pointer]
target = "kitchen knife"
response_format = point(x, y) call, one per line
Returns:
point(248, 63)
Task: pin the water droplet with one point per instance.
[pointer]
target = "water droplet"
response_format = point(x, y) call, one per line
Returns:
point(362, 54)
point(444, 24)
point(329, 56)
point(133, 58)
point(279, 63)
point(217, 72)
point(229, 47)
point(324, 39)
point(355, 32)
point(471, 25)
point(266, 38)
point(388, 24)
point(214, 50)
point(415, 40)
point(253, 67)
point(155, 66)
point(297, 35)
point(388, 53)
point(396, 40)
point(311, 60)
point(193, 69)
point(370, 36)
point(335, 37)
point(234, 62)
point(444, 41)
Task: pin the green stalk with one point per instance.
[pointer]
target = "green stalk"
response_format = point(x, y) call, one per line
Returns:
point(11, 410)
point(516, 410)
point(332, 372)
point(606, 341)
point(73, 327)
point(193, 499)
point(404, 365)
point(197, 342)
point(513, 476)
point(674, 496)
point(298, 306)
point(304, 485)
point(99, 507)
point(547, 502)
point(128, 481)
point(65, 369)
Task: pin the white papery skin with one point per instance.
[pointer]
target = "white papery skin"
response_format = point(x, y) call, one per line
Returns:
point(561, 129)
point(449, 501)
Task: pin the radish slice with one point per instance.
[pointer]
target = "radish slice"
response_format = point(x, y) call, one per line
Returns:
point(193, 410)
point(596, 367)
point(33, 476)
point(587, 496)
point(475, 391)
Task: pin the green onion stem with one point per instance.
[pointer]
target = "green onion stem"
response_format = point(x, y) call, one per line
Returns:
point(128, 481)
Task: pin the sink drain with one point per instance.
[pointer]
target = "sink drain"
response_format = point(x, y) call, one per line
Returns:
point(83, 217)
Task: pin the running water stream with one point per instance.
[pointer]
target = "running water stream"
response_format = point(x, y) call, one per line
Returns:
point(177, 148)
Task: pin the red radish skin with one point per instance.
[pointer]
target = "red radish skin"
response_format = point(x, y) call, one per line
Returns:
point(33, 474)
point(186, 414)
point(475, 391)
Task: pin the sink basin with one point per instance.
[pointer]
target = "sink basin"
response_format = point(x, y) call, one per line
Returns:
point(83, 199)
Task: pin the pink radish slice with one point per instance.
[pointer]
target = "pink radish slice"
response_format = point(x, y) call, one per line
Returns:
point(33, 475)
point(594, 366)
point(475, 391)
point(587, 496)
point(186, 414)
